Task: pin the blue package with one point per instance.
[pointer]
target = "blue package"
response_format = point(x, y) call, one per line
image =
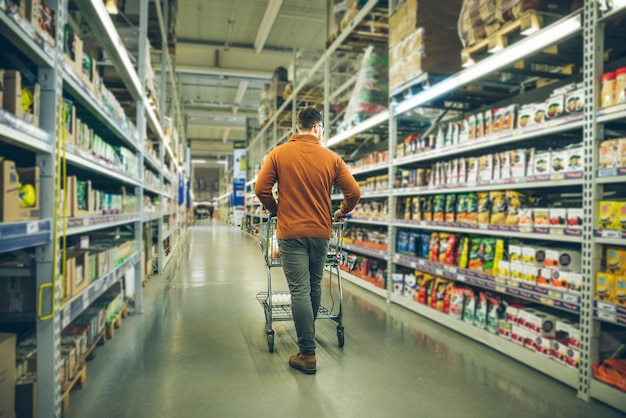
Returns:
point(413, 244)
point(424, 249)
point(402, 242)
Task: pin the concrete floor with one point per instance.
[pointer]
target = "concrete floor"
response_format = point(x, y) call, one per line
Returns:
point(199, 350)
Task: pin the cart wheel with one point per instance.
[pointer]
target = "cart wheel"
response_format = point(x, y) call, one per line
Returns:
point(270, 340)
point(340, 336)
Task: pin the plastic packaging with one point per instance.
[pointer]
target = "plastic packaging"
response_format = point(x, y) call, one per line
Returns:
point(608, 89)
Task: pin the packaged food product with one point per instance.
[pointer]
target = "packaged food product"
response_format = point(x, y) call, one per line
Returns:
point(469, 307)
point(471, 127)
point(427, 208)
point(398, 283)
point(457, 297)
point(484, 208)
point(485, 168)
point(558, 217)
point(517, 270)
point(530, 162)
point(480, 314)
point(453, 177)
point(416, 210)
point(607, 97)
point(440, 295)
point(450, 208)
point(609, 157)
point(424, 246)
point(402, 242)
point(620, 85)
point(488, 120)
point(504, 270)
point(472, 170)
point(554, 107)
point(560, 280)
point(574, 159)
point(508, 119)
point(533, 255)
point(525, 217)
point(559, 160)
point(541, 164)
point(518, 163)
point(574, 101)
point(621, 214)
point(439, 206)
point(525, 116)
point(472, 208)
point(620, 290)
point(575, 282)
point(413, 244)
point(480, 125)
point(476, 254)
point(608, 215)
point(449, 256)
point(499, 256)
point(539, 113)
point(605, 287)
point(498, 115)
point(434, 247)
point(410, 286)
point(515, 253)
point(444, 240)
point(461, 207)
point(462, 170)
point(616, 260)
point(544, 278)
point(462, 253)
point(563, 259)
point(497, 172)
point(489, 254)
point(515, 202)
point(505, 165)
point(426, 289)
point(541, 217)
point(574, 218)
point(499, 207)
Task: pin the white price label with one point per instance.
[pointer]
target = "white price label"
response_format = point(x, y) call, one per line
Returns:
point(570, 298)
point(606, 315)
point(32, 227)
point(607, 306)
point(86, 221)
point(422, 262)
point(452, 270)
point(611, 234)
point(439, 272)
point(460, 277)
point(85, 300)
point(413, 264)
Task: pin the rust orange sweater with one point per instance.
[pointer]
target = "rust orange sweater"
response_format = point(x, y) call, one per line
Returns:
point(305, 172)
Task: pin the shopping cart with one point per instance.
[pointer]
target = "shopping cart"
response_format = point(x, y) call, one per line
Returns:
point(277, 304)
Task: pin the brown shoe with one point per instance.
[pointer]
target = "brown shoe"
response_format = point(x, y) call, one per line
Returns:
point(304, 363)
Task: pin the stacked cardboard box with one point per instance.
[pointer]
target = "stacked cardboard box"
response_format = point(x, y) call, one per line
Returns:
point(423, 38)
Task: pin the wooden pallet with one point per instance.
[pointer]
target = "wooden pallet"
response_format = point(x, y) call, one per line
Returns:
point(115, 323)
point(101, 339)
point(528, 23)
point(373, 29)
point(79, 381)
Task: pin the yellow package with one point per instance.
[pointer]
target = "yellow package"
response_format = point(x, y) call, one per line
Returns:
point(515, 202)
point(484, 208)
point(605, 287)
point(498, 207)
point(608, 215)
point(407, 208)
point(620, 290)
point(462, 253)
point(616, 260)
point(498, 256)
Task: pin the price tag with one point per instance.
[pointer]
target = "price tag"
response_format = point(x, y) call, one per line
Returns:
point(607, 315)
point(460, 277)
point(500, 289)
point(32, 228)
point(611, 234)
point(555, 294)
point(546, 301)
point(452, 270)
point(413, 264)
point(570, 298)
point(557, 177)
point(85, 300)
point(439, 272)
point(606, 306)
point(422, 262)
point(556, 231)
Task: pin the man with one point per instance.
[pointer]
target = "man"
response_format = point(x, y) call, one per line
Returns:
point(306, 172)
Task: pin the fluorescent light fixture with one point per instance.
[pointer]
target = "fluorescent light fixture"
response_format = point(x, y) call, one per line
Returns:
point(198, 161)
point(271, 12)
point(519, 50)
point(111, 6)
point(362, 127)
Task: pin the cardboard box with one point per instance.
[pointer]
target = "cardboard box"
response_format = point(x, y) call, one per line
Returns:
point(9, 191)
point(605, 287)
point(608, 217)
point(7, 374)
point(78, 280)
point(72, 196)
point(30, 176)
point(12, 97)
point(17, 295)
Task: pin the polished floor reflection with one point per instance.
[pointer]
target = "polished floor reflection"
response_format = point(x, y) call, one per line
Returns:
point(199, 350)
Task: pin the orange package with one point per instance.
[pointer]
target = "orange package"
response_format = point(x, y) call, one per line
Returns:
point(609, 375)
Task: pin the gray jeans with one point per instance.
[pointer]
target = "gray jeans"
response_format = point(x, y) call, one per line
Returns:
point(303, 263)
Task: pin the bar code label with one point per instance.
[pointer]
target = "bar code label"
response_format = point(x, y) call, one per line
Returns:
point(32, 228)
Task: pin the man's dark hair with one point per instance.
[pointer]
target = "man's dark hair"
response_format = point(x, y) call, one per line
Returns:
point(308, 118)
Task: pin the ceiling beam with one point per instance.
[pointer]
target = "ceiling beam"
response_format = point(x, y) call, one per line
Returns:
point(226, 135)
point(271, 13)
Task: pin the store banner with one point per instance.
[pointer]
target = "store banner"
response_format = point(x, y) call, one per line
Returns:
point(239, 160)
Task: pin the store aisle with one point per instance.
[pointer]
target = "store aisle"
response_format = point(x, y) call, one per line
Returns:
point(199, 350)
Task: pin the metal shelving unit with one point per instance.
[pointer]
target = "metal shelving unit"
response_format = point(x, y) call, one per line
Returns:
point(582, 30)
point(58, 79)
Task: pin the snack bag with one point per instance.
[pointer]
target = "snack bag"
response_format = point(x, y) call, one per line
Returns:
point(425, 289)
point(434, 247)
point(476, 254)
point(457, 298)
point(413, 243)
point(402, 242)
point(407, 209)
point(515, 202)
point(480, 314)
point(450, 208)
point(489, 254)
point(472, 209)
point(498, 257)
point(416, 210)
point(461, 207)
point(424, 246)
point(495, 314)
point(427, 209)
point(484, 208)
point(462, 253)
point(469, 306)
point(440, 290)
point(450, 251)
point(439, 203)
point(444, 241)
point(498, 207)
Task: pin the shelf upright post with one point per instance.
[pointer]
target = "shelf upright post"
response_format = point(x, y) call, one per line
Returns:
point(593, 45)
point(391, 203)
point(142, 131)
point(49, 316)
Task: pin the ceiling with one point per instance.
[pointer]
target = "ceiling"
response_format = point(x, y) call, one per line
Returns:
point(226, 50)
